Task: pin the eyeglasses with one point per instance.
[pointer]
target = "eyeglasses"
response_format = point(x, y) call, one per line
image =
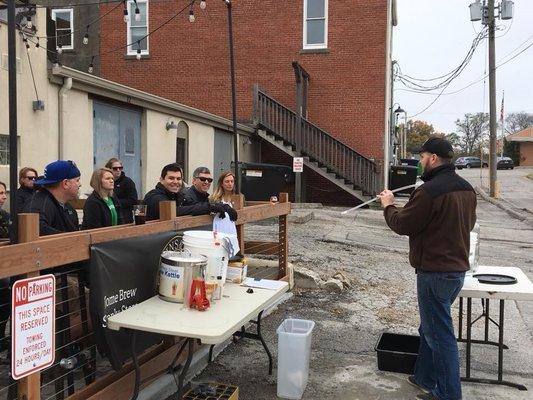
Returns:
point(117, 168)
point(31, 178)
point(204, 179)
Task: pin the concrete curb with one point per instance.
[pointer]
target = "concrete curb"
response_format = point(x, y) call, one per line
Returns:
point(498, 203)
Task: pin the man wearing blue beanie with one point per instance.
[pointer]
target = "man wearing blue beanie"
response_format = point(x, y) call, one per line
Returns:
point(59, 184)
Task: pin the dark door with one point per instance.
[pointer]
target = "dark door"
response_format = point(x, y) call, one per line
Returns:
point(117, 133)
point(223, 154)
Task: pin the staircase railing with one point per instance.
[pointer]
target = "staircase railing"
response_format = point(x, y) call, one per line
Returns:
point(315, 143)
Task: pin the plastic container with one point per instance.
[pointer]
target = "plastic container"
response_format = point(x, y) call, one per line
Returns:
point(217, 251)
point(473, 257)
point(294, 351)
point(397, 353)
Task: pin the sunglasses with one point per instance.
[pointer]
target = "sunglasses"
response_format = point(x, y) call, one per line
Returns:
point(204, 179)
point(118, 168)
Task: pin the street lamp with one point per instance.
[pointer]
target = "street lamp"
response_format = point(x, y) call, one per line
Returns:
point(485, 13)
point(399, 110)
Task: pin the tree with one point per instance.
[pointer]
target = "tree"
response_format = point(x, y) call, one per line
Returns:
point(417, 133)
point(472, 130)
point(515, 122)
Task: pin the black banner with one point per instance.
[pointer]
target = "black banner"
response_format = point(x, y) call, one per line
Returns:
point(122, 274)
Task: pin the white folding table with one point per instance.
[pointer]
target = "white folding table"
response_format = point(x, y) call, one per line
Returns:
point(223, 319)
point(521, 290)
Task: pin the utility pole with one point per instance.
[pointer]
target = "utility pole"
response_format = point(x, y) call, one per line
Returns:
point(12, 85)
point(494, 189)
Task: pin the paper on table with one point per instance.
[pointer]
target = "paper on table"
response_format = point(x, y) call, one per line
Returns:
point(263, 283)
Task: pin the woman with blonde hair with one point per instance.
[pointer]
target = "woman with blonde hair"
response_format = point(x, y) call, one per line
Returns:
point(225, 189)
point(101, 208)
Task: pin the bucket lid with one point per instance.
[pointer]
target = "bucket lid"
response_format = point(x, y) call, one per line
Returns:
point(182, 257)
point(203, 235)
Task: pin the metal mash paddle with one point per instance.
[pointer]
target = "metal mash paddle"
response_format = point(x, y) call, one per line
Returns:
point(376, 198)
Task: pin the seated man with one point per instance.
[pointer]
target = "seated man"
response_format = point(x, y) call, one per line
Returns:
point(59, 184)
point(169, 188)
point(197, 196)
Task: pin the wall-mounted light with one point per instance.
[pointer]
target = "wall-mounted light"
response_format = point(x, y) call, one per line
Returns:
point(246, 141)
point(171, 125)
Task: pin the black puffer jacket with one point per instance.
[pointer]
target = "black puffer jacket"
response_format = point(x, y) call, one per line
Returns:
point(53, 216)
point(186, 204)
point(126, 194)
point(96, 213)
point(5, 222)
point(24, 195)
point(194, 203)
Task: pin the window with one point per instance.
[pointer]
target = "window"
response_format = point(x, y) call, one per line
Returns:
point(137, 30)
point(4, 149)
point(315, 24)
point(64, 18)
point(182, 137)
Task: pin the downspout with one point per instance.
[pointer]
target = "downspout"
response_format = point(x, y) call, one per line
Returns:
point(67, 85)
point(391, 21)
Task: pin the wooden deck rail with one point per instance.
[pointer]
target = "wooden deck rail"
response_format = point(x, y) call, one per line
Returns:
point(33, 254)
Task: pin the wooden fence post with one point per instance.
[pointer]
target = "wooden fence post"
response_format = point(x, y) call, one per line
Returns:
point(283, 239)
point(167, 210)
point(238, 204)
point(29, 388)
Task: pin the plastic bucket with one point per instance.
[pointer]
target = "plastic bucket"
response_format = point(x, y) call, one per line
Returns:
point(217, 251)
point(294, 352)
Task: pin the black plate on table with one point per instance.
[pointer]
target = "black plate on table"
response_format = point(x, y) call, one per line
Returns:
point(495, 279)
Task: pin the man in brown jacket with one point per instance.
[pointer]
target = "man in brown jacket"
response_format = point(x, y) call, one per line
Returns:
point(438, 219)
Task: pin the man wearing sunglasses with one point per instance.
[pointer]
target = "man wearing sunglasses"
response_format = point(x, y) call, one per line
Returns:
point(197, 195)
point(25, 192)
point(59, 184)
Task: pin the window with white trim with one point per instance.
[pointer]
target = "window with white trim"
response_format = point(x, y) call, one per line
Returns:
point(4, 149)
point(64, 18)
point(315, 24)
point(137, 30)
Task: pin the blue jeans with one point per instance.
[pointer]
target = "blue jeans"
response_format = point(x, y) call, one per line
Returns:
point(437, 365)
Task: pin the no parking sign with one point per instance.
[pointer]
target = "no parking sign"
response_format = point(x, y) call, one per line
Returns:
point(32, 325)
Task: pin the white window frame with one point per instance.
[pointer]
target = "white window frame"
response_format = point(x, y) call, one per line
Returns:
point(6, 150)
point(131, 50)
point(305, 19)
point(71, 12)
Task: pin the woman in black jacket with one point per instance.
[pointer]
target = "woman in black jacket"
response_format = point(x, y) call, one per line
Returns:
point(125, 190)
point(101, 208)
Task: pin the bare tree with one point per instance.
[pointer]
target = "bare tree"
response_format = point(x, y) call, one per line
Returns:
point(515, 122)
point(471, 131)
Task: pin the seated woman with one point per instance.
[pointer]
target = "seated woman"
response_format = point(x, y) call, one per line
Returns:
point(101, 207)
point(225, 189)
point(4, 215)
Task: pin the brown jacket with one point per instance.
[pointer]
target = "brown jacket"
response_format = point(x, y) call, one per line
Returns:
point(438, 219)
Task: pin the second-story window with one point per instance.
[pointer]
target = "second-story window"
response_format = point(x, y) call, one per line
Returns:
point(315, 24)
point(137, 30)
point(64, 18)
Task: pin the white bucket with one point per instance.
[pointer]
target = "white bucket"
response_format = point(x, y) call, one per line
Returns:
point(217, 251)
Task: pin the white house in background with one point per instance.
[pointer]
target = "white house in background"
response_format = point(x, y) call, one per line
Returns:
point(89, 120)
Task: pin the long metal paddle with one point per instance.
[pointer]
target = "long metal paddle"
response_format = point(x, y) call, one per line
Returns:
point(376, 198)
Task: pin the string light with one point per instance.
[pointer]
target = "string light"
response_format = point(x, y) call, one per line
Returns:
point(126, 16)
point(203, 4)
point(138, 56)
point(27, 46)
point(192, 18)
point(29, 24)
point(137, 12)
point(37, 45)
point(91, 66)
point(86, 37)
point(59, 48)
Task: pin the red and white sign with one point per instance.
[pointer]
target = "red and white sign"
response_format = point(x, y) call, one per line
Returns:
point(298, 164)
point(33, 325)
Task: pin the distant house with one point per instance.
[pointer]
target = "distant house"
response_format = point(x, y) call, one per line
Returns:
point(525, 139)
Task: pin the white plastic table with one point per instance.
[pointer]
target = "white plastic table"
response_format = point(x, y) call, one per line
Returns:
point(223, 319)
point(472, 288)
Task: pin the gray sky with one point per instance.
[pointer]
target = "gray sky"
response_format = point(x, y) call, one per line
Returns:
point(432, 38)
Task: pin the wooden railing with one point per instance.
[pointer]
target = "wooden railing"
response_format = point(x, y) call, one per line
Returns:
point(315, 143)
point(33, 254)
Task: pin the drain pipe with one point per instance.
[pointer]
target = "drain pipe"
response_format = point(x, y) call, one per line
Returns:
point(67, 85)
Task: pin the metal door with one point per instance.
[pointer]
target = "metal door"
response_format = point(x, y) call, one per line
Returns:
point(117, 133)
point(223, 154)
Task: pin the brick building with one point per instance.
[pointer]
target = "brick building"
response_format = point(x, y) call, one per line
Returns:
point(340, 51)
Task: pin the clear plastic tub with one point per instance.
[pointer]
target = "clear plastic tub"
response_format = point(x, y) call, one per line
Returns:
point(294, 351)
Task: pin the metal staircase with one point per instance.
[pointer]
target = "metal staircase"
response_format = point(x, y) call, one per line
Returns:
point(327, 156)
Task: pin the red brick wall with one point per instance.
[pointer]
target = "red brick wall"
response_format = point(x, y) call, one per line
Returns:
point(189, 63)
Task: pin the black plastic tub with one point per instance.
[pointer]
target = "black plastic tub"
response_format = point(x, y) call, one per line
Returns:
point(397, 353)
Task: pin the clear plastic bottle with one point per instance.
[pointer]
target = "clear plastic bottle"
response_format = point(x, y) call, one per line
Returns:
point(473, 258)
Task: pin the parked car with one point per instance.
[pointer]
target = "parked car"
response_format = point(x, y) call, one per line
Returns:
point(469, 162)
point(505, 163)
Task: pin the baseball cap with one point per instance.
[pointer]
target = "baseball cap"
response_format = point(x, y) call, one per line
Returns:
point(57, 171)
point(437, 145)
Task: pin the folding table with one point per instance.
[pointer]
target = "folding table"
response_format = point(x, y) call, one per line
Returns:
point(521, 290)
point(224, 318)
